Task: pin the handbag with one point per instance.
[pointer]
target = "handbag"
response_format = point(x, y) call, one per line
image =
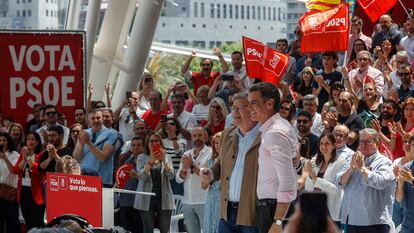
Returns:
point(7, 192)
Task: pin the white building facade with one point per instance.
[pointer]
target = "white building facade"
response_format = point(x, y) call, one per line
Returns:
point(211, 23)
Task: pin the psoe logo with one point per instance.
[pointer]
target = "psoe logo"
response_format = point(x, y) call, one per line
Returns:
point(254, 52)
point(54, 183)
point(336, 22)
point(274, 61)
point(313, 22)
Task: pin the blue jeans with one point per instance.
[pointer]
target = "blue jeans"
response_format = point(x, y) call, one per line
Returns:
point(230, 226)
point(193, 217)
point(397, 213)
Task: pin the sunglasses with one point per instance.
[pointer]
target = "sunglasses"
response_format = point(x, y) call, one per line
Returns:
point(302, 121)
point(403, 74)
point(50, 113)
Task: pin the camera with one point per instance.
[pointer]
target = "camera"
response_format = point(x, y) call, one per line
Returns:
point(227, 77)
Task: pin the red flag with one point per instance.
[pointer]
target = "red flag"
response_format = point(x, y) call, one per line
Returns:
point(375, 8)
point(263, 62)
point(325, 30)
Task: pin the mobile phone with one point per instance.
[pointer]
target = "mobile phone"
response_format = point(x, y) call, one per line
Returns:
point(156, 148)
point(227, 77)
point(1, 148)
point(163, 117)
point(314, 211)
point(304, 148)
point(129, 94)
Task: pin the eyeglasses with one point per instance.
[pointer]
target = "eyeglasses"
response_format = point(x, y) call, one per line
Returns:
point(366, 142)
point(363, 59)
point(405, 75)
point(50, 113)
point(285, 109)
point(302, 121)
point(239, 108)
point(307, 72)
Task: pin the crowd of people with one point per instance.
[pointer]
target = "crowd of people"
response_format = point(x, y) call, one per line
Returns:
point(236, 151)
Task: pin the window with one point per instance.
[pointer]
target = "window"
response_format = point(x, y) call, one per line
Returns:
point(29, 0)
point(181, 42)
point(212, 43)
point(202, 10)
point(18, 1)
point(242, 12)
point(237, 11)
point(212, 10)
point(269, 14)
point(259, 12)
point(218, 11)
point(224, 11)
point(274, 14)
point(24, 1)
point(163, 24)
point(181, 25)
point(24, 13)
point(196, 9)
point(47, 12)
point(278, 14)
point(18, 13)
point(4, 13)
point(204, 26)
point(248, 12)
point(231, 11)
point(194, 25)
point(199, 44)
point(253, 12)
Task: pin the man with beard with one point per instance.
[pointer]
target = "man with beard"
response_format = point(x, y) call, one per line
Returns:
point(346, 116)
point(406, 90)
point(239, 70)
point(407, 42)
point(51, 120)
point(152, 117)
point(107, 117)
point(140, 130)
point(95, 148)
point(388, 30)
point(205, 76)
point(54, 150)
point(80, 117)
point(308, 141)
point(189, 174)
point(35, 120)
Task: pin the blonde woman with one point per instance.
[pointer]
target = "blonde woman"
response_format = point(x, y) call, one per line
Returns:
point(216, 116)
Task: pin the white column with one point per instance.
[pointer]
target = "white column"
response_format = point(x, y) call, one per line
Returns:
point(139, 45)
point(73, 15)
point(91, 26)
point(117, 16)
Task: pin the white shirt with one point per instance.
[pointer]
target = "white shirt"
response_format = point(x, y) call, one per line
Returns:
point(144, 104)
point(187, 120)
point(200, 112)
point(6, 177)
point(317, 125)
point(65, 133)
point(407, 42)
point(26, 179)
point(126, 125)
point(193, 193)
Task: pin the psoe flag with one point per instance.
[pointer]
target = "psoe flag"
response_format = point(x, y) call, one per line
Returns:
point(325, 30)
point(375, 8)
point(321, 5)
point(263, 62)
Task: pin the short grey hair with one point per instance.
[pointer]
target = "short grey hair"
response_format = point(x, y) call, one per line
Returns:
point(370, 131)
point(365, 52)
point(241, 95)
point(311, 97)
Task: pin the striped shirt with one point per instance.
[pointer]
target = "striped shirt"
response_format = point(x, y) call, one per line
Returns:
point(175, 155)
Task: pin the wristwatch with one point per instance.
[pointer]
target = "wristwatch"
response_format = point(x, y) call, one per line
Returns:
point(277, 222)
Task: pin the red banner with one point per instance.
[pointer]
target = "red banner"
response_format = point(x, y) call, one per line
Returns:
point(74, 194)
point(376, 8)
point(325, 30)
point(263, 62)
point(45, 68)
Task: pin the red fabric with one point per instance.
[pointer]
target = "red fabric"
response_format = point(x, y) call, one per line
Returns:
point(376, 8)
point(37, 179)
point(263, 62)
point(399, 151)
point(215, 129)
point(325, 30)
point(199, 80)
point(152, 120)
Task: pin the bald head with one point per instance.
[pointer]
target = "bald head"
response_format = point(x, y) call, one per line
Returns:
point(340, 133)
point(385, 22)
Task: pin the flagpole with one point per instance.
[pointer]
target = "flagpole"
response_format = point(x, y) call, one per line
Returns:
point(405, 9)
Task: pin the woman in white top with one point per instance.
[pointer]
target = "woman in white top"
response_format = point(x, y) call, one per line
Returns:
point(200, 110)
point(9, 209)
point(320, 173)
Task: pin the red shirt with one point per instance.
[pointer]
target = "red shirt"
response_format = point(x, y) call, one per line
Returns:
point(217, 128)
point(199, 80)
point(152, 120)
point(399, 151)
